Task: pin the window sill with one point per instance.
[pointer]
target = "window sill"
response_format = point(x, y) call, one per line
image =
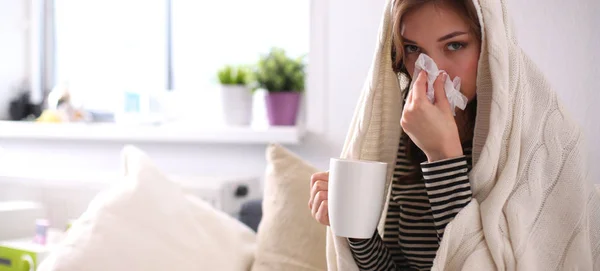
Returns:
point(167, 133)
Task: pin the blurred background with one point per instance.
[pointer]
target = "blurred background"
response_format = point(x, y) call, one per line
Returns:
point(203, 86)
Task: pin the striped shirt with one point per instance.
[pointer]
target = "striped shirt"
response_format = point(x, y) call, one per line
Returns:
point(417, 214)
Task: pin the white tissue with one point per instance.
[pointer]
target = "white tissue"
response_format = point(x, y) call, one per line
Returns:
point(452, 87)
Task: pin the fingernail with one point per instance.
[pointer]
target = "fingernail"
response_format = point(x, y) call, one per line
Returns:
point(445, 76)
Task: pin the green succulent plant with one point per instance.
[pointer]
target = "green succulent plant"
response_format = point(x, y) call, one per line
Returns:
point(230, 75)
point(276, 72)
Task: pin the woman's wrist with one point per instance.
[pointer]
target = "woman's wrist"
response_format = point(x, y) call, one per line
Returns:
point(453, 151)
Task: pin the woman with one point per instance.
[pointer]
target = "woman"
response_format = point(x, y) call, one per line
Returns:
point(507, 211)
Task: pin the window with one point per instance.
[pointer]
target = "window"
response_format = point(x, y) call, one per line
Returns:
point(103, 48)
point(106, 47)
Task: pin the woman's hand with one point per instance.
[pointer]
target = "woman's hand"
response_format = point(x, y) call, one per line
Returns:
point(318, 197)
point(431, 126)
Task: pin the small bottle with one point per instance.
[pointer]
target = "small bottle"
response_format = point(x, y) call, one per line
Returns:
point(41, 231)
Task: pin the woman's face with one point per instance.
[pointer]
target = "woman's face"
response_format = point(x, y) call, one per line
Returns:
point(442, 34)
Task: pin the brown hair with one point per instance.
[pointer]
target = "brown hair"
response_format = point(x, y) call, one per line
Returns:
point(467, 10)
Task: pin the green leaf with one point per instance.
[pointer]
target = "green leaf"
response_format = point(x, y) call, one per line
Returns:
point(231, 75)
point(276, 72)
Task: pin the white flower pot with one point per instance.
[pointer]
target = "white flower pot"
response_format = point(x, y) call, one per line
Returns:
point(237, 105)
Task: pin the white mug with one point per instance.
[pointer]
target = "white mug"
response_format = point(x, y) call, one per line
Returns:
point(355, 197)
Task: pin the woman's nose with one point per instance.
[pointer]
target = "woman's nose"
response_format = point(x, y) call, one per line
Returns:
point(441, 62)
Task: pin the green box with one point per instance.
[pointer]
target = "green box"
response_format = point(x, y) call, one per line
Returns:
point(21, 255)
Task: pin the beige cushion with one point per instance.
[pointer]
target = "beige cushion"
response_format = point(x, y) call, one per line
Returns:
point(288, 237)
point(146, 222)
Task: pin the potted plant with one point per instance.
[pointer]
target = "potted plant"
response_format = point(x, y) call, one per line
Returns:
point(283, 79)
point(236, 97)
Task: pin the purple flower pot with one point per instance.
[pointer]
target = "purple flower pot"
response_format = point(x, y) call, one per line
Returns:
point(282, 108)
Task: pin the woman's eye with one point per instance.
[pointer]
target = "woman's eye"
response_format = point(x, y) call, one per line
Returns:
point(409, 49)
point(455, 46)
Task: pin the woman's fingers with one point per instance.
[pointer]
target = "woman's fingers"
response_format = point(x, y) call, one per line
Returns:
point(318, 197)
point(420, 88)
point(409, 97)
point(322, 214)
point(314, 190)
point(318, 200)
point(320, 176)
point(440, 91)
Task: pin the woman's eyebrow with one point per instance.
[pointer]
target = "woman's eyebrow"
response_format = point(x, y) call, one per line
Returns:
point(452, 35)
point(408, 41)
point(445, 37)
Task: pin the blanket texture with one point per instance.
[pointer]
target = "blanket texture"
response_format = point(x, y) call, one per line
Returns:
point(533, 206)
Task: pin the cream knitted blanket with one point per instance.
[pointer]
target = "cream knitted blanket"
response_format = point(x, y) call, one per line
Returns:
point(533, 206)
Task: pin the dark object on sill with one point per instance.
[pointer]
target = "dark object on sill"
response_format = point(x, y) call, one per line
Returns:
point(241, 191)
point(21, 108)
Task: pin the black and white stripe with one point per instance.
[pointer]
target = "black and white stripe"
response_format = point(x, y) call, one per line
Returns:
point(417, 214)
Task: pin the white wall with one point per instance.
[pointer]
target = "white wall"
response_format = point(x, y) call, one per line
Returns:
point(353, 26)
point(557, 44)
point(12, 50)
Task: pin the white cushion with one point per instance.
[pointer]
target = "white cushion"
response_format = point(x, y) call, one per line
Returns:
point(288, 237)
point(146, 222)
